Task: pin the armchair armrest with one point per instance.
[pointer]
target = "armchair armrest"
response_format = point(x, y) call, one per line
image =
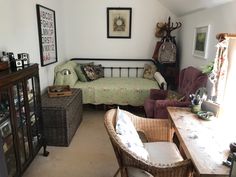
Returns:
point(160, 107)
point(156, 94)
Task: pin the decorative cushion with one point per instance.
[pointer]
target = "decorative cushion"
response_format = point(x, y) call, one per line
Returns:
point(172, 95)
point(89, 72)
point(99, 71)
point(128, 135)
point(92, 72)
point(134, 147)
point(163, 152)
point(159, 153)
point(160, 80)
point(79, 71)
point(149, 71)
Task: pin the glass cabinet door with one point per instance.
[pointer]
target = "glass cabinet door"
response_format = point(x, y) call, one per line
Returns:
point(6, 132)
point(21, 123)
point(33, 92)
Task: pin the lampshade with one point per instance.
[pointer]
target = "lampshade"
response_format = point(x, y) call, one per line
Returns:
point(66, 72)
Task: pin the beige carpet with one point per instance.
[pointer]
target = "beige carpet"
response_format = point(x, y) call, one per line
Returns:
point(90, 153)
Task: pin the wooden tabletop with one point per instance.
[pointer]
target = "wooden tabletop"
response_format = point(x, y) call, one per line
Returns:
point(205, 142)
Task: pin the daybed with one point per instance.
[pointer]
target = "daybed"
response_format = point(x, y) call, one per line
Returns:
point(121, 85)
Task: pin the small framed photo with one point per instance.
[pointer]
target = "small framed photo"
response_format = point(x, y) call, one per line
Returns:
point(200, 45)
point(47, 35)
point(119, 22)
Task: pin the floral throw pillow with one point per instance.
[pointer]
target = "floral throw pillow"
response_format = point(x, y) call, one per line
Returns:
point(93, 72)
point(99, 70)
point(128, 135)
point(149, 71)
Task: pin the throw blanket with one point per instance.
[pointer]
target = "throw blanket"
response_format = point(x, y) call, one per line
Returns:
point(122, 91)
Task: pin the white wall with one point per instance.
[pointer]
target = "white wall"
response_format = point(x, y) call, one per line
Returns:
point(85, 25)
point(221, 19)
point(19, 32)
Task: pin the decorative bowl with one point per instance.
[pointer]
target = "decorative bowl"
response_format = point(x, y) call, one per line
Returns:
point(205, 115)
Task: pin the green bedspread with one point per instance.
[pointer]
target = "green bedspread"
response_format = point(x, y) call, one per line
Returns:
point(121, 91)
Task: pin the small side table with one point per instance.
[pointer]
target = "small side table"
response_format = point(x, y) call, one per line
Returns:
point(61, 117)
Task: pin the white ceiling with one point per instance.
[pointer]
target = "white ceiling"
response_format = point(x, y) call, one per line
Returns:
point(183, 7)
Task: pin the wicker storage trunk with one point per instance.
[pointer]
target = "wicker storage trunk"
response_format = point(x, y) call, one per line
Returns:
point(61, 117)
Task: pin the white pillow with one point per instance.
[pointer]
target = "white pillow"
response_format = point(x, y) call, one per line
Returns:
point(138, 150)
point(128, 134)
point(125, 127)
point(160, 79)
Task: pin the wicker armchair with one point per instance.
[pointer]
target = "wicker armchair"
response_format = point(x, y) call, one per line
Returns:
point(155, 130)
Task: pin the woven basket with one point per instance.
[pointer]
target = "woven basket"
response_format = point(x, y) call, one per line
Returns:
point(61, 117)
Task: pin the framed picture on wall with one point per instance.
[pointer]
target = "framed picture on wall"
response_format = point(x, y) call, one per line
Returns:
point(47, 35)
point(119, 22)
point(200, 45)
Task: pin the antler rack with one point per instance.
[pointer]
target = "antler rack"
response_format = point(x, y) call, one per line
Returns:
point(168, 27)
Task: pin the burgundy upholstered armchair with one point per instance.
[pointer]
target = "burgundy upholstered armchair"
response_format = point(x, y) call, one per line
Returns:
point(190, 79)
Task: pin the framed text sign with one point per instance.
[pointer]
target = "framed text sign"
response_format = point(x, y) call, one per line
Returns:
point(47, 35)
point(119, 22)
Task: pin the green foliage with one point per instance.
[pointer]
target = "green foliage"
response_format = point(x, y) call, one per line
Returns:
point(208, 68)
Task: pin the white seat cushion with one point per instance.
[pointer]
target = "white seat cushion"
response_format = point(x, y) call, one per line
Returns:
point(159, 153)
point(163, 152)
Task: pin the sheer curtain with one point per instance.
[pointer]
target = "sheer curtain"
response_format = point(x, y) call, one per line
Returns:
point(219, 73)
point(228, 105)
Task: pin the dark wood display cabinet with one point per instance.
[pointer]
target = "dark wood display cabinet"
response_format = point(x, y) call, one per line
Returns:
point(20, 118)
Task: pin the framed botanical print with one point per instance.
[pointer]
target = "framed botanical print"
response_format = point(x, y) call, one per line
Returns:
point(200, 45)
point(47, 35)
point(119, 22)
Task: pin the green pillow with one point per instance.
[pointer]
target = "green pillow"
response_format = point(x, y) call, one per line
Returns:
point(80, 73)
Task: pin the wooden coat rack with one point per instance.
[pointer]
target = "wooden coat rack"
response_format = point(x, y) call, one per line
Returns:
point(169, 27)
point(168, 70)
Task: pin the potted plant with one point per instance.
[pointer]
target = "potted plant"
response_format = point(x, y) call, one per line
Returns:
point(197, 99)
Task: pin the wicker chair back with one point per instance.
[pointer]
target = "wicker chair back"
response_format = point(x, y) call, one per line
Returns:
point(149, 127)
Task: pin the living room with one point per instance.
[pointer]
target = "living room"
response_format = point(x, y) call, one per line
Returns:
point(81, 29)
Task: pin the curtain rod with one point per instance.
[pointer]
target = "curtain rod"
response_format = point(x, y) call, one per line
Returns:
point(222, 36)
